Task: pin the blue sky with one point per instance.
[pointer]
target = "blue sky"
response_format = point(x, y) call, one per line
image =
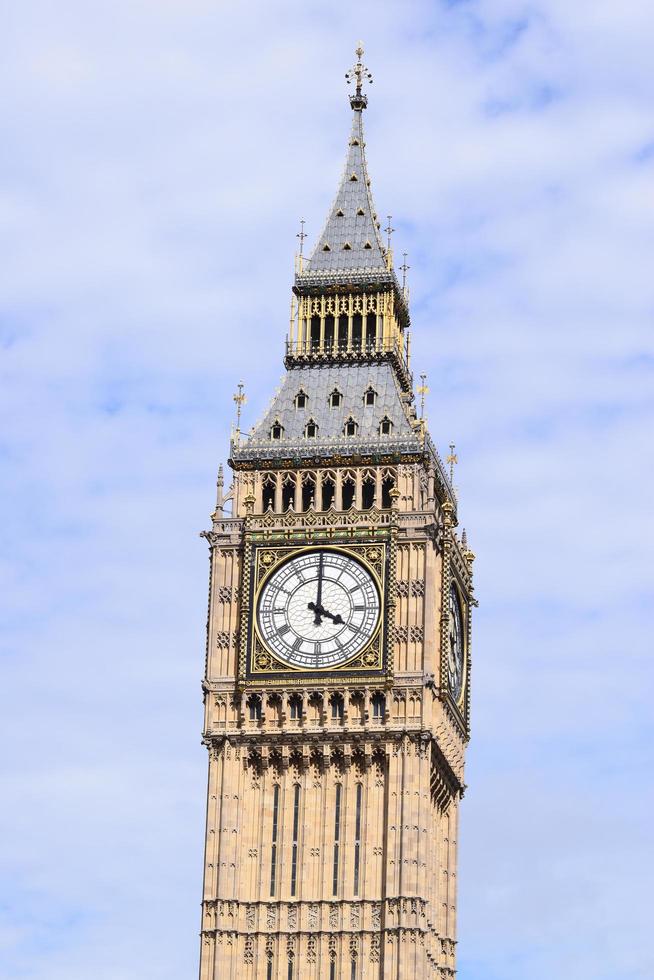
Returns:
point(156, 160)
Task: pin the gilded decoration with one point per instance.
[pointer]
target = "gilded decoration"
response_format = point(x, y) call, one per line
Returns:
point(261, 663)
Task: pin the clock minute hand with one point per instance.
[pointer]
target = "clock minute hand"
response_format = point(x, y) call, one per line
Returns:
point(316, 606)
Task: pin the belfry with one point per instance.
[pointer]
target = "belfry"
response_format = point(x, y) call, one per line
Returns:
point(337, 671)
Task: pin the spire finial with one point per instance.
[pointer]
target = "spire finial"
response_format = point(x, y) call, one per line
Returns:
point(389, 231)
point(404, 268)
point(301, 235)
point(422, 391)
point(452, 459)
point(220, 496)
point(361, 74)
point(239, 398)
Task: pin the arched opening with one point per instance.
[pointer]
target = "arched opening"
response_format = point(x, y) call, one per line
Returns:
point(378, 706)
point(315, 332)
point(357, 708)
point(338, 708)
point(348, 491)
point(371, 330)
point(357, 326)
point(311, 429)
point(329, 330)
point(388, 483)
point(301, 399)
point(268, 492)
point(274, 713)
point(295, 707)
point(342, 332)
point(335, 399)
point(254, 707)
point(368, 491)
point(350, 427)
point(308, 491)
point(288, 493)
point(315, 709)
point(328, 491)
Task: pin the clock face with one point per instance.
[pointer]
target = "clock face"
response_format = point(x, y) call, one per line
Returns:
point(318, 610)
point(455, 657)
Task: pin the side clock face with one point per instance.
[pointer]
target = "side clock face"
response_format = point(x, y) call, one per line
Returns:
point(318, 610)
point(455, 657)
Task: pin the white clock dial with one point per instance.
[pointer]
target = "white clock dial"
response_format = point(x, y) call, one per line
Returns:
point(455, 659)
point(318, 610)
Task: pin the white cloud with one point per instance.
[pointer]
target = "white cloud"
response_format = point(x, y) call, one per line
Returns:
point(158, 157)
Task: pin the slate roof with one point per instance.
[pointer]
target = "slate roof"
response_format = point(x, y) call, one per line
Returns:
point(318, 382)
point(352, 219)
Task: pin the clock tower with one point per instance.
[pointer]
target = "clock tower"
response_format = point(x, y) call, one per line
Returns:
point(337, 674)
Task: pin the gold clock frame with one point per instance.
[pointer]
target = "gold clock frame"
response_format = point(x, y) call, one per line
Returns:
point(258, 662)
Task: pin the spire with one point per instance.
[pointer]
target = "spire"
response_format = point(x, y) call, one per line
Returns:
point(350, 241)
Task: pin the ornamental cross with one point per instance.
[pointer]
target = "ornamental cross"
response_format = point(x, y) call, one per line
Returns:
point(301, 234)
point(239, 398)
point(422, 391)
point(452, 459)
point(404, 268)
point(389, 229)
point(361, 74)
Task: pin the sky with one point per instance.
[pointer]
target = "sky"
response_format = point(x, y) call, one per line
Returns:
point(156, 160)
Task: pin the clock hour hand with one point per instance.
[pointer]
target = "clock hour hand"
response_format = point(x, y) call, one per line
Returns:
point(336, 619)
point(320, 612)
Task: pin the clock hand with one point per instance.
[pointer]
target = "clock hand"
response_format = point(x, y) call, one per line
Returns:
point(321, 611)
point(336, 619)
point(317, 606)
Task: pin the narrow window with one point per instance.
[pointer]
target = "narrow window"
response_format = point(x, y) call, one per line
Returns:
point(368, 494)
point(353, 971)
point(357, 839)
point(290, 970)
point(370, 397)
point(296, 710)
point(332, 970)
point(296, 827)
point(329, 330)
point(335, 399)
point(255, 709)
point(348, 494)
point(269, 493)
point(301, 400)
point(308, 493)
point(288, 495)
point(385, 426)
point(269, 970)
point(277, 431)
point(337, 707)
point(273, 854)
point(342, 332)
point(328, 492)
point(378, 706)
point(350, 428)
point(311, 430)
point(371, 330)
point(357, 326)
point(337, 838)
point(388, 484)
point(315, 331)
